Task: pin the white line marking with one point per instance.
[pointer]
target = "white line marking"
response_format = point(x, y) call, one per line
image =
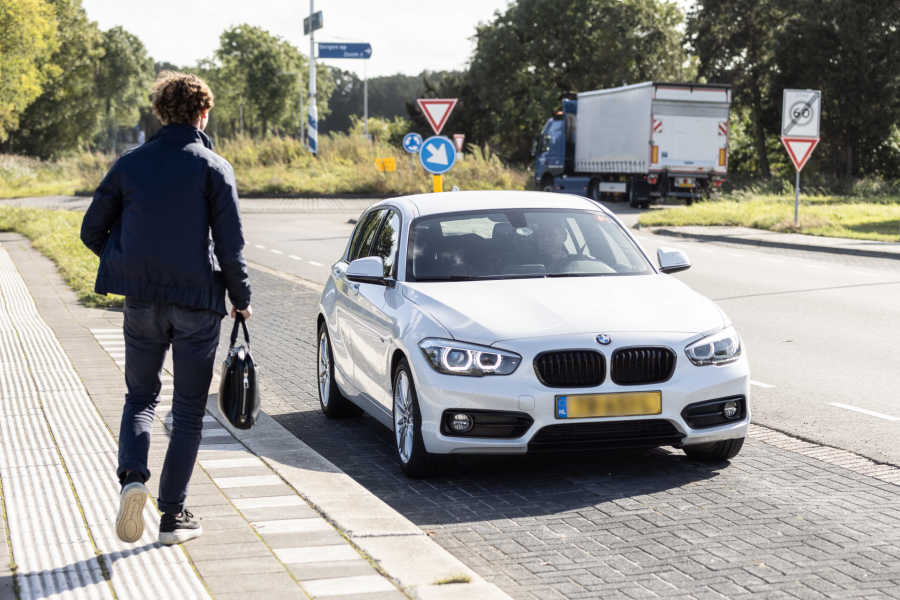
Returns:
point(274, 251)
point(260, 246)
point(264, 502)
point(865, 411)
point(294, 256)
point(315, 264)
point(310, 554)
point(339, 586)
point(761, 384)
point(231, 463)
point(292, 525)
point(248, 481)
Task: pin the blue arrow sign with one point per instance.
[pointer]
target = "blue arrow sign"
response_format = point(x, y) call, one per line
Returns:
point(342, 50)
point(412, 142)
point(437, 155)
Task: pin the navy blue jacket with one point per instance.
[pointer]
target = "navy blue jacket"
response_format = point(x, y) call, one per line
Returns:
point(150, 223)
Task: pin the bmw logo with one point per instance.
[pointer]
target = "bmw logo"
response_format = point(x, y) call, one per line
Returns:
point(604, 339)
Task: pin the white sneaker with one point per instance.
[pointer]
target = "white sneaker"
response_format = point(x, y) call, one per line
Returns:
point(130, 520)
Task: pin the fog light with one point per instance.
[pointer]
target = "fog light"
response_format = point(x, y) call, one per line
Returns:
point(730, 410)
point(461, 423)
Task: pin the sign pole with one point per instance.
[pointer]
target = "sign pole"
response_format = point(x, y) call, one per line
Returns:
point(365, 101)
point(313, 134)
point(797, 199)
point(438, 182)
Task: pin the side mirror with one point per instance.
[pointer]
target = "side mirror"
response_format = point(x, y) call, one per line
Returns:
point(672, 260)
point(534, 146)
point(368, 270)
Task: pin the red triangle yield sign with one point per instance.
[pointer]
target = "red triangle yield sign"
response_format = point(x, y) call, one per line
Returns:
point(437, 111)
point(799, 149)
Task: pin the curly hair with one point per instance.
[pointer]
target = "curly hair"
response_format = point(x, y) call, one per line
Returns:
point(180, 97)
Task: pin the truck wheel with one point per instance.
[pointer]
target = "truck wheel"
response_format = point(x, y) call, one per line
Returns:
point(689, 201)
point(595, 193)
point(547, 184)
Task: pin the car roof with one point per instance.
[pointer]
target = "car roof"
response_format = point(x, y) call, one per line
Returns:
point(447, 202)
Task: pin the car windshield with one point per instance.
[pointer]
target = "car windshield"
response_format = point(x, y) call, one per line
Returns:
point(520, 243)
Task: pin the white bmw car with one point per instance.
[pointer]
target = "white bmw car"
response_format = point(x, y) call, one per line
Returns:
point(513, 322)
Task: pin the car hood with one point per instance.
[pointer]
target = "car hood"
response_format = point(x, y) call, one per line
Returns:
point(490, 311)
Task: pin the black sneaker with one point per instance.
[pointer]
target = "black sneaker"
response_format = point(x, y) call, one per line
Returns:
point(174, 529)
point(130, 520)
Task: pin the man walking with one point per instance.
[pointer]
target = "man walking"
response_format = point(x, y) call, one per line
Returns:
point(165, 224)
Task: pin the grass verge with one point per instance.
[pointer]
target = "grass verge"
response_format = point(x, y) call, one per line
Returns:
point(56, 234)
point(830, 216)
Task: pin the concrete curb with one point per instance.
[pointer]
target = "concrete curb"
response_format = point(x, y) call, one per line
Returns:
point(771, 243)
point(388, 537)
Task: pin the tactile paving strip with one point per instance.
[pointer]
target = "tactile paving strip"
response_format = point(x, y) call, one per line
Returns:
point(57, 465)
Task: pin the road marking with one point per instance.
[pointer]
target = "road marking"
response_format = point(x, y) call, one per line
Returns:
point(761, 384)
point(865, 411)
point(294, 257)
point(260, 246)
point(315, 264)
point(274, 251)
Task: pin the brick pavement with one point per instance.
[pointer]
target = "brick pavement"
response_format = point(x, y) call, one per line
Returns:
point(775, 523)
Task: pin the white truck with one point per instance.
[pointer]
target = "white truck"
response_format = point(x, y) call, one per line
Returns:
point(644, 143)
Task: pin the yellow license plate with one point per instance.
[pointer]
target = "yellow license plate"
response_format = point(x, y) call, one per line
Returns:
point(622, 404)
point(687, 184)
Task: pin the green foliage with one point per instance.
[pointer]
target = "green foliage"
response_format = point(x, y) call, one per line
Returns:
point(848, 49)
point(27, 39)
point(256, 78)
point(22, 176)
point(123, 78)
point(68, 111)
point(539, 49)
point(820, 215)
point(56, 234)
point(390, 131)
point(387, 98)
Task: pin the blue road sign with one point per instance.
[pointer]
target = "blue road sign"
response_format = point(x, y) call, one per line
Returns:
point(342, 50)
point(437, 155)
point(412, 142)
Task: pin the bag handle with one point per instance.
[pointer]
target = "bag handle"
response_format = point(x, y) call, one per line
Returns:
point(239, 320)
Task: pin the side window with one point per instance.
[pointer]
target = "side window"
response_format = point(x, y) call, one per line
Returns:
point(365, 231)
point(387, 242)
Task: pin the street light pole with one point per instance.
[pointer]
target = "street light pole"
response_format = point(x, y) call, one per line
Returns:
point(313, 135)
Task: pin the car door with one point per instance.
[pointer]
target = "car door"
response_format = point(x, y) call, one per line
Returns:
point(375, 317)
point(346, 295)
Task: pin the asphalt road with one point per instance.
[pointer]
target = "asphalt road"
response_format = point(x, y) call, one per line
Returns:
point(820, 329)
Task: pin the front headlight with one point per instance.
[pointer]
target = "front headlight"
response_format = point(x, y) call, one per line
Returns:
point(717, 349)
point(459, 358)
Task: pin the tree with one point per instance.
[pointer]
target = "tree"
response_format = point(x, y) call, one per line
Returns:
point(539, 49)
point(735, 43)
point(851, 51)
point(256, 78)
point(123, 79)
point(67, 112)
point(27, 39)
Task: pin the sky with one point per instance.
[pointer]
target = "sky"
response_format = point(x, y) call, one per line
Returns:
point(407, 36)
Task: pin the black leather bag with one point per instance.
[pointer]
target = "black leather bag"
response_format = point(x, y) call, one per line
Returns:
point(238, 392)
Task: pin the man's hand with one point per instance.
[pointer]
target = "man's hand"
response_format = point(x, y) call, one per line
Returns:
point(244, 313)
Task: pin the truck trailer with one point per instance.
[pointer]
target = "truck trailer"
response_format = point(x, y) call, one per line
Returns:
point(643, 143)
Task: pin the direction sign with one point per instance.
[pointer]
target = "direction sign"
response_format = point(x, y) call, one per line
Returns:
point(344, 50)
point(799, 149)
point(312, 22)
point(800, 113)
point(436, 111)
point(437, 155)
point(412, 142)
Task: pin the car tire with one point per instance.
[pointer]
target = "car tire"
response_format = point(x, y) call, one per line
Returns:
point(715, 451)
point(332, 402)
point(415, 461)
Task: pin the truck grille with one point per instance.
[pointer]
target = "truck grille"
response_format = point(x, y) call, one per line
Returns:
point(570, 368)
point(633, 366)
point(642, 433)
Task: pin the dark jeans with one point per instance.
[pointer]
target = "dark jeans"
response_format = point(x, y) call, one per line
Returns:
point(194, 335)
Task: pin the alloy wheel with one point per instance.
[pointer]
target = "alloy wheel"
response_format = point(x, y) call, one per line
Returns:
point(404, 421)
point(324, 373)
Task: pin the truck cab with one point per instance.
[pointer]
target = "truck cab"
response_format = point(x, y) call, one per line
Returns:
point(554, 148)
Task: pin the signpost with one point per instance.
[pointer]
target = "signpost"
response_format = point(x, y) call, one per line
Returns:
point(310, 24)
point(436, 111)
point(351, 50)
point(800, 115)
point(437, 157)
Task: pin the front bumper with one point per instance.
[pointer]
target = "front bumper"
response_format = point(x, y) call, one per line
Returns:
point(523, 393)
